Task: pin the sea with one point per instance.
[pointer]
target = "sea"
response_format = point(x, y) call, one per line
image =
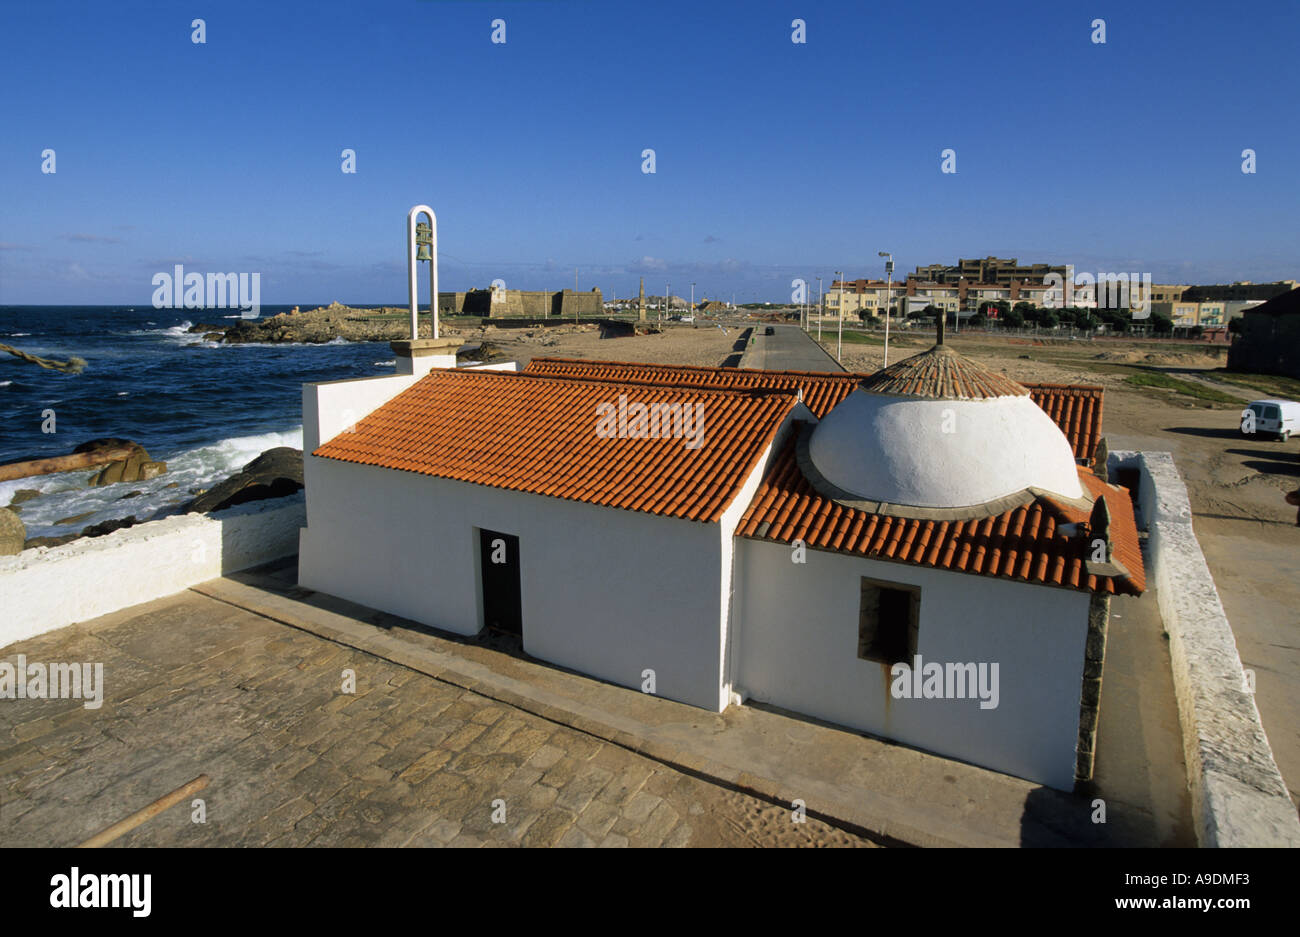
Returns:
point(203, 408)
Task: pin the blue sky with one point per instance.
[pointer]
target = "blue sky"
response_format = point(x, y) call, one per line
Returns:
point(773, 159)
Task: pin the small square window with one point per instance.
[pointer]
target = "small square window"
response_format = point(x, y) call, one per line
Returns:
point(889, 615)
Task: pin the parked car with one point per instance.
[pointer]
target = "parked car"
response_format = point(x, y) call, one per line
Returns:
point(1278, 418)
point(769, 331)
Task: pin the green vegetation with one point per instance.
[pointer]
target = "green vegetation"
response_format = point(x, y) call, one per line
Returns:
point(1266, 385)
point(1187, 388)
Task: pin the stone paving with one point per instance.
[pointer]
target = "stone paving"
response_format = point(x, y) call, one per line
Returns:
point(195, 686)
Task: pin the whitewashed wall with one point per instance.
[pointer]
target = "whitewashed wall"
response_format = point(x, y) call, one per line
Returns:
point(49, 587)
point(798, 649)
point(604, 591)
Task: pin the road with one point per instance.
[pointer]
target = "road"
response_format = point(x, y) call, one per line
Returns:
point(788, 348)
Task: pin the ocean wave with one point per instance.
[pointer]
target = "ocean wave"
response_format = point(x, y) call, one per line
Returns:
point(65, 494)
point(5, 383)
point(19, 334)
point(175, 331)
point(391, 362)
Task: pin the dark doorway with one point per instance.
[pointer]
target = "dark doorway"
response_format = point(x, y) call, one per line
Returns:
point(499, 564)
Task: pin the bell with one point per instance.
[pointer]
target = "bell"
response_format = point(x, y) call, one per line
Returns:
point(424, 239)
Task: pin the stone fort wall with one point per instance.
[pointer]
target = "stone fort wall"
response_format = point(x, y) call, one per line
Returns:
point(531, 303)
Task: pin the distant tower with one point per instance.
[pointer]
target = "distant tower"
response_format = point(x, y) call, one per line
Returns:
point(640, 307)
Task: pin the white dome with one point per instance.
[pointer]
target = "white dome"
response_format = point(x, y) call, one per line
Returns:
point(942, 453)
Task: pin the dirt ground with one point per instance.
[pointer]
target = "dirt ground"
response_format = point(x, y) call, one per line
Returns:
point(1236, 484)
point(679, 344)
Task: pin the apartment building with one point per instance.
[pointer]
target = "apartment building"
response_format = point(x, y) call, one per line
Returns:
point(998, 270)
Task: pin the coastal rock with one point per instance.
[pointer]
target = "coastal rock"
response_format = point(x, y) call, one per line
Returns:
point(13, 533)
point(103, 442)
point(319, 325)
point(23, 494)
point(274, 474)
point(91, 530)
point(107, 527)
point(49, 541)
point(74, 518)
point(136, 467)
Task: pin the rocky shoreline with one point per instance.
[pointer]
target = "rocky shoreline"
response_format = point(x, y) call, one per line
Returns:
point(388, 324)
point(314, 327)
point(275, 473)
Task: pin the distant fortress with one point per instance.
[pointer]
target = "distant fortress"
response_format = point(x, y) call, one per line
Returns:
point(502, 303)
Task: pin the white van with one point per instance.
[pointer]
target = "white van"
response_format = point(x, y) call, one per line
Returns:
point(1279, 418)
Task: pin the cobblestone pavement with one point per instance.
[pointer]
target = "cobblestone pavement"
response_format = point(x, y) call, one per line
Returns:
point(194, 686)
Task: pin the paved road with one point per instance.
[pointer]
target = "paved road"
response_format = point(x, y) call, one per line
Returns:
point(197, 686)
point(788, 349)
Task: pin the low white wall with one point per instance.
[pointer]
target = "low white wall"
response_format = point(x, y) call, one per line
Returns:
point(604, 591)
point(49, 587)
point(798, 649)
point(329, 407)
point(1238, 795)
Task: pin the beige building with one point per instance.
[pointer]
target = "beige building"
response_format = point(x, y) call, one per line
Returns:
point(1184, 315)
point(858, 295)
point(945, 296)
point(977, 294)
point(1166, 292)
point(1210, 314)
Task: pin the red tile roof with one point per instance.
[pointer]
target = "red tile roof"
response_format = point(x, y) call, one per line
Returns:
point(822, 390)
point(528, 432)
point(1076, 408)
point(1023, 543)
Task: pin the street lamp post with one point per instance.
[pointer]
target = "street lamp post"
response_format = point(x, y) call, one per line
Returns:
point(819, 302)
point(839, 337)
point(692, 299)
point(820, 315)
point(889, 289)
